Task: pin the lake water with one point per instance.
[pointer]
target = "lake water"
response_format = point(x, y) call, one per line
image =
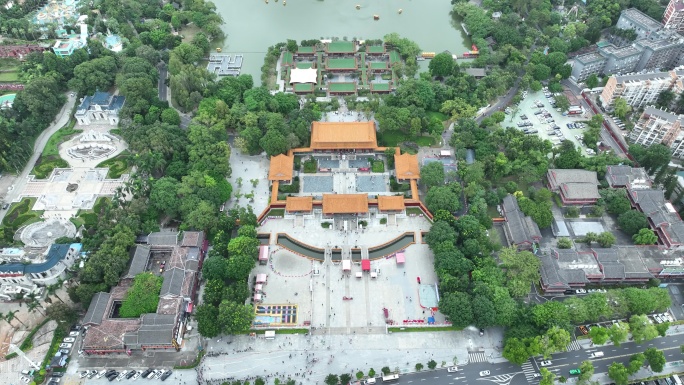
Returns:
point(251, 26)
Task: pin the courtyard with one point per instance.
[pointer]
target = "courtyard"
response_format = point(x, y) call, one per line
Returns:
point(318, 288)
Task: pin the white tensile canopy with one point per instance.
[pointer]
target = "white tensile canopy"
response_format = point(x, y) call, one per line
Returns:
point(303, 75)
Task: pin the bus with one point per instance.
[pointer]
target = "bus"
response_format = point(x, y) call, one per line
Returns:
point(390, 377)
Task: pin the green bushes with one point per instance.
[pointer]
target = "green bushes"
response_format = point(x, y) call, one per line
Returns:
point(310, 166)
point(290, 188)
point(398, 187)
point(20, 214)
point(46, 164)
point(117, 165)
point(378, 166)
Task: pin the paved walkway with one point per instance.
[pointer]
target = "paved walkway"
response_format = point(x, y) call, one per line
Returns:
point(61, 120)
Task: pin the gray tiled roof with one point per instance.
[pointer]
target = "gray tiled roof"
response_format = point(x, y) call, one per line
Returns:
point(519, 229)
point(173, 282)
point(139, 261)
point(97, 309)
point(162, 238)
point(573, 176)
point(623, 176)
point(156, 329)
point(192, 239)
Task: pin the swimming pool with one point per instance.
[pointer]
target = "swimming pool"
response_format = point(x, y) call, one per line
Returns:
point(7, 100)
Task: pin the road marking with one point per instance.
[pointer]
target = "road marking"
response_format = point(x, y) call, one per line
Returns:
point(422, 379)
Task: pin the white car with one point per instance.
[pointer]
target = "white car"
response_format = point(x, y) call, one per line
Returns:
point(69, 339)
point(83, 374)
point(545, 363)
point(100, 374)
point(452, 369)
point(136, 375)
point(92, 374)
point(657, 318)
point(74, 334)
point(536, 375)
point(158, 374)
point(122, 375)
point(25, 379)
point(484, 373)
point(65, 346)
point(580, 291)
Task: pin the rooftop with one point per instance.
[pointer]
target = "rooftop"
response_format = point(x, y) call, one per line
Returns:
point(163, 238)
point(519, 228)
point(642, 77)
point(621, 52)
point(590, 57)
point(665, 115)
point(340, 47)
point(406, 166)
point(298, 204)
point(192, 239)
point(109, 335)
point(141, 255)
point(156, 329)
point(391, 203)
point(343, 135)
point(641, 18)
point(573, 176)
point(476, 72)
point(97, 309)
point(345, 203)
point(281, 167)
point(302, 75)
point(626, 176)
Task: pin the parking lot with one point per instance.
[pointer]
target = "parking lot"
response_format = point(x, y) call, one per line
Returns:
point(536, 114)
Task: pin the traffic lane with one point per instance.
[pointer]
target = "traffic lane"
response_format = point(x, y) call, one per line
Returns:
point(466, 374)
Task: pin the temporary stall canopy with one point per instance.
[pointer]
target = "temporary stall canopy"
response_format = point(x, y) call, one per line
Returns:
point(346, 265)
point(263, 253)
point(269, 334)
point(261, 278)
point(258, 287)
point(359, 274)
point(365, 264)
point(374, 274)
point(257, 297)
point(400, 257)
point(303, 75)
point(445, 153)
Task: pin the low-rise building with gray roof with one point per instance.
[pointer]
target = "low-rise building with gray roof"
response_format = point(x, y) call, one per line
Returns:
point(662, 216)
point(97, 309)
point(575, 187)
point(627, 177)
point(156, 332)
point(520, 230)
point(141, 256)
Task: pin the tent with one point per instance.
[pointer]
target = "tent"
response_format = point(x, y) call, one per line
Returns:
point(263, 254)
point(401, 258)
point(359, 274)
point(258, 288)
point(374, 274)
point(445, 153)
point(365, 264)
point(269, 334)
point(261, 278)
point(346, 265)
point(257, 297)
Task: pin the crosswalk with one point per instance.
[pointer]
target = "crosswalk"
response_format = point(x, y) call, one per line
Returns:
point(528, 371)
point(574, 345)
point(477, 357)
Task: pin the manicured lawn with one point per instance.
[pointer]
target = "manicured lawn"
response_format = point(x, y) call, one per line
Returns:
point(118, 165)
point(46, 164)
point(9, 76)
point(62, 135)
point(18, 215)
point(394, 138)
point(378, 166)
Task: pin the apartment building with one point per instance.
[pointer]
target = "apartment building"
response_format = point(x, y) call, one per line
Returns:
point(638, 90)
point(656, 126)
point(655, 48)
point(673, 18)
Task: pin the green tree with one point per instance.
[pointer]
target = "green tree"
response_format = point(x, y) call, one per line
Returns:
point(215, 268)
point(592, 81)
point(662, 328)
point(522, 268)
point(665, 99)
point(371, 373)
point(432, 174)
point(359, 375)
point(273, 143)
point(655, 358)
point(419, 367)
point(385, 370)
point(432, 364)
point(207, 320)
point(244, 246)
point(235, 318)
point(62, 313)
point(606, 239)
point(516, 351)
point(164, 195)
point(345, 379)
point(632, 221)
point(550, 314)
point(170, 116)
point(636, 361)
point(562, 102)
point(458, 108)
point(555, 340)
point(332, 379)
point(547, 377)
point(641, 329)
point(569, 156)
point(618, 333)
point(618, 373)
point(564, 243)
point(586, 371)
point(599, 335)
point(442, 65)
point(457, 307)
point(239, 266)
point(484, 312)
point(645, 237)
point(142, 297)
point(94, 75)
point(442, 198)
point(621, 107)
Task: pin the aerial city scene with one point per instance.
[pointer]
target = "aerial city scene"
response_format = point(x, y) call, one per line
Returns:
point(333, 192)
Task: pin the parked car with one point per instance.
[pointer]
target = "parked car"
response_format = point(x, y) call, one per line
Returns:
point(130, 374)
point(101, 374)
point(25, 379)
point(64, 351)
point(137, 374)
point(583, 329)
point(580, 291)
point(452, 369)
point(575, 371)
point(168, 373)
point(544, 363)
point(55, 379)
point(74, 334)
point(69, 339)
point(83, 374)
point(65, 346)
point(146, 373)
point(121, 375)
